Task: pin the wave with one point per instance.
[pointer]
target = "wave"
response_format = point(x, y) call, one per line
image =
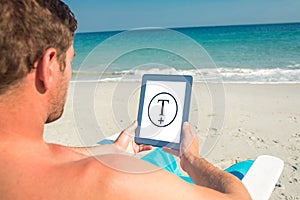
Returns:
point(241, 75)
point(294, 66)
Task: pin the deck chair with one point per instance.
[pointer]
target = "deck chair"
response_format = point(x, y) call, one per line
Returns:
point(259, 176)
point(262, 176)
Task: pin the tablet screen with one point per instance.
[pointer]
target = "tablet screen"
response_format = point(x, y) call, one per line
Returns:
point(163, 110)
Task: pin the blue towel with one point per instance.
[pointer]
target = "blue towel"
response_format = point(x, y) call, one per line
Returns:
point(240, 169)
point(167, 161)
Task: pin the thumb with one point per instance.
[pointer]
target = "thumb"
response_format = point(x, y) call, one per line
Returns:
point(130, 130)
point(190, 143)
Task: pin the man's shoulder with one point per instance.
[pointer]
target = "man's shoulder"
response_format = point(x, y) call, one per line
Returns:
point(60, 174)
point(125, 177)
point(94, 177)
point(111, 175)
point(110, 167)
point(85, 178)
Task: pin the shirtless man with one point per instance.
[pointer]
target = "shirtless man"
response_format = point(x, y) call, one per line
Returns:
point(36, 50)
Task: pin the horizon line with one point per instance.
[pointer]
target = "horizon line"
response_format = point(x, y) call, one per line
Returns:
point(198, 26)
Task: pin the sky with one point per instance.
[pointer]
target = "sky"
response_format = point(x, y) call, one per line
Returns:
point(109, 15)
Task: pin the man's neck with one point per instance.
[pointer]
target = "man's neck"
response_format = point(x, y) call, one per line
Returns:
point(21, 117)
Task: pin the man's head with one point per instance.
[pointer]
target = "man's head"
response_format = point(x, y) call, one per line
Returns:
point(29, 31)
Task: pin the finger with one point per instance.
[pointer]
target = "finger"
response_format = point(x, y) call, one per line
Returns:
point(188, 133)
point(171, 151)
point(139, 148)
point(144, 148)
point(130, 130)
point(187, 130)
point(190, 141)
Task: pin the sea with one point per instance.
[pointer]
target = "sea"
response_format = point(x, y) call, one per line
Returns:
point(262, 53)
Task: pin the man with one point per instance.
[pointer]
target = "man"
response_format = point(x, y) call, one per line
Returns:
point(36, 38)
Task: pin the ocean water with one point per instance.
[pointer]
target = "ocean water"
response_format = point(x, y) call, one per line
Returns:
point(244, 53)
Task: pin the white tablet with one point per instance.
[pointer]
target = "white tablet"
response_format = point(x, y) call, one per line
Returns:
point(164, 107)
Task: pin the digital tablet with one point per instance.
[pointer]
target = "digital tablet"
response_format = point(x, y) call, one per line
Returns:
point(163, 108)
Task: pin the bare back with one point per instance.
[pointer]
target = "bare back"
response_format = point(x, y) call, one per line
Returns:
point(54, 172)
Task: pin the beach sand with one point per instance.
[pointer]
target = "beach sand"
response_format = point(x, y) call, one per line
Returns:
point(244, 120)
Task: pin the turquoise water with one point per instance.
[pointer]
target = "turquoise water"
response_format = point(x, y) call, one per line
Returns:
point(246, 53)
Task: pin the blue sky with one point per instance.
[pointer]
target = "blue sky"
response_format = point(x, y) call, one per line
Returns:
point(107, 15)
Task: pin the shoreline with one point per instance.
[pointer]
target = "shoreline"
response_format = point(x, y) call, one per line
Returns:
point(258, 119)
point(117, 80)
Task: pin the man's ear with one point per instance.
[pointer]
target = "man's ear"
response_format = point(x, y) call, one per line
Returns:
point(45, 69)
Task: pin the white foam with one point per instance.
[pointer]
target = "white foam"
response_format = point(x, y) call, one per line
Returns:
point(231, 75)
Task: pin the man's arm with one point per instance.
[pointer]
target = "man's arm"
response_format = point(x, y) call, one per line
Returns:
point(202, 172)
point(123, 144)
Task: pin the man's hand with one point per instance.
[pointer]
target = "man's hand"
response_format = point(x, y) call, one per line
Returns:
point(189, 148)
point(125, 141)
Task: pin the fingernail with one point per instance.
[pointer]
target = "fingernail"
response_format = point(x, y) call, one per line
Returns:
point(186, 123)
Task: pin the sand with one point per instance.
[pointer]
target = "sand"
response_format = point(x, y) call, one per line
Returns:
point(234, 122)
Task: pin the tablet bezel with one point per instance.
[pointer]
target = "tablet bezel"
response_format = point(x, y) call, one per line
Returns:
point(168, 78)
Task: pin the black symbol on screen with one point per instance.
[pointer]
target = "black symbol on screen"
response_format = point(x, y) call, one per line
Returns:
point(161, 120)
point(157, 112)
